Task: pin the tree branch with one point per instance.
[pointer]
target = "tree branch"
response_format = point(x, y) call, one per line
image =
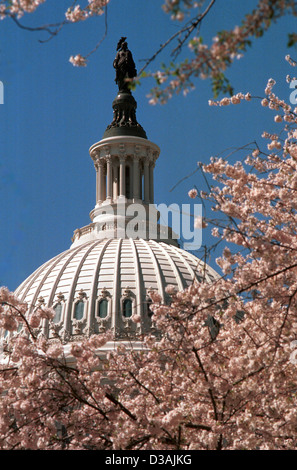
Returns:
point(144, 387)
point(206, 379)
point(123, 408)
point(187, 29)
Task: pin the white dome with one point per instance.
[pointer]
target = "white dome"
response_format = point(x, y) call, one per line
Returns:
point(100, 284)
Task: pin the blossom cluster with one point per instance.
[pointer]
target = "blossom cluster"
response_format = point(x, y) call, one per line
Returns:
point(18, 7)
point(193, 193)
point(178, 8)
point(235, 99)
point(94, 7)
point(73, 14)
point(78, 60)
point(212, 60)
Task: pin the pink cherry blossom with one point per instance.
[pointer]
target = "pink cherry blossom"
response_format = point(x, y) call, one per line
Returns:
point(193, 193)
point(78, 61)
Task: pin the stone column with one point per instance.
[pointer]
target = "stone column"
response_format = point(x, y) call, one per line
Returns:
point(100, 182)
point(115, 182)
point(141, 183)
point(151, 171)
point(97, 183)
point(109, 179)
point(104, 183)
point(122, 177)
point(146, 182)
point(136, 178)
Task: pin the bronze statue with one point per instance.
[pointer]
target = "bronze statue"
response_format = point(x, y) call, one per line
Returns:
point(124, 66)
point(124, 105)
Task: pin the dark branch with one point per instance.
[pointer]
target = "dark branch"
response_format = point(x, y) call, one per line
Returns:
point(187, 30)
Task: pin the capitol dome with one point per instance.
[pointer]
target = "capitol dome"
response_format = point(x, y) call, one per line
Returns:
point(100, 284)
point(115, 263)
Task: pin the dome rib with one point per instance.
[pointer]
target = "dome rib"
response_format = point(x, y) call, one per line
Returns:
point(185, 262)
point(116, 288)
point(208, 273)
point(138, 280)
point(31, 279)
point(70, 300)
point(94, 287)
point(181, 285)
point(157, 269)
point(56, 283)
point(52, 263)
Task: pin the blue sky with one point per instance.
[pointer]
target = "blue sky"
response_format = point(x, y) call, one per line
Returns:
point(53, 112)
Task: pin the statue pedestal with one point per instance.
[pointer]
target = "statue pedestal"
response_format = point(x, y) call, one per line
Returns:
point(124, 118)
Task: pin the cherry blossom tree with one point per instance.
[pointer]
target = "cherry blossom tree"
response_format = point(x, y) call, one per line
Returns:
point(218, 370)
point(203, 61)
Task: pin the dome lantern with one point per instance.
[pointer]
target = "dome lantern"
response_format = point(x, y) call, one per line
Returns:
point(124, 160)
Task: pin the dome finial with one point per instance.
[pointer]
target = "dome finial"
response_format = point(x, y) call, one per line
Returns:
point(124, 66)
point(124, 106)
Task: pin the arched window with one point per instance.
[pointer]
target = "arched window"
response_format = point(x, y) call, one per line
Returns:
point(127, 308)
point(58, 313)
point(79, 310)
point(103, 308)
